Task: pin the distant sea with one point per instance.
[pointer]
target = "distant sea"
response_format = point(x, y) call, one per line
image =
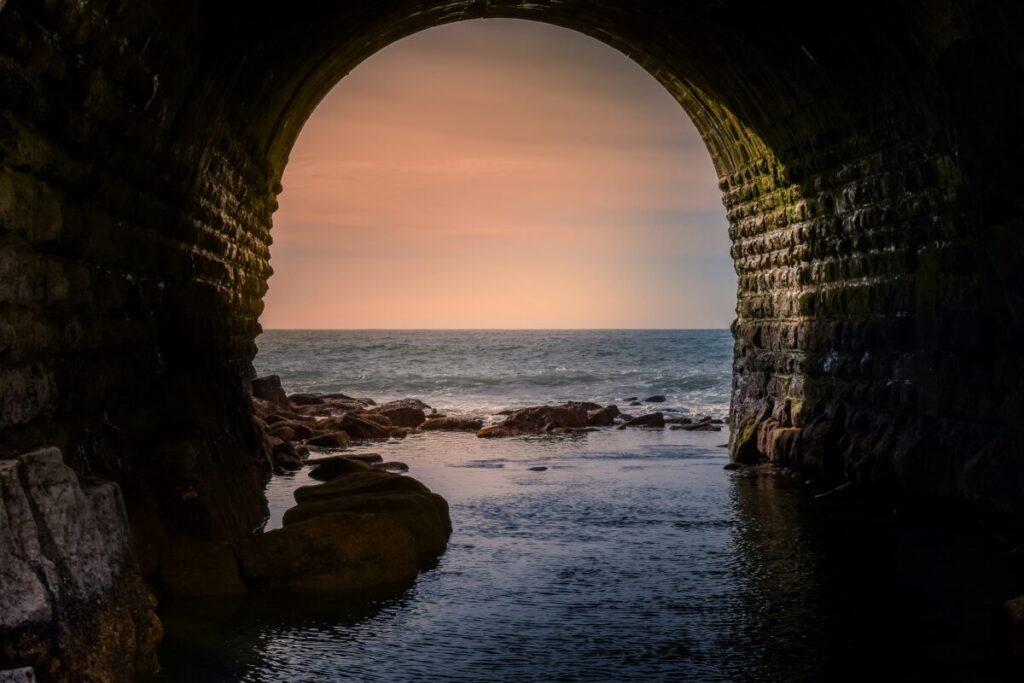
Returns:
point(484, 371)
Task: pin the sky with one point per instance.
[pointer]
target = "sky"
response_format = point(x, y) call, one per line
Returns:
point(499, 174)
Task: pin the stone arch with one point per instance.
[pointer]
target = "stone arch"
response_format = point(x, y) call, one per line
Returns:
point(141, 149)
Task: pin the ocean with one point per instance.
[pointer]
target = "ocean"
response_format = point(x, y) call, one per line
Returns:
point(485, 371)
point(633, 557)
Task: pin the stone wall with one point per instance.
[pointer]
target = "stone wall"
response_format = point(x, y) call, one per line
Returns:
point(867, 165)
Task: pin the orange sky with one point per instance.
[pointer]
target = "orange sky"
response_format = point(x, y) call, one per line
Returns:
point(501, 174)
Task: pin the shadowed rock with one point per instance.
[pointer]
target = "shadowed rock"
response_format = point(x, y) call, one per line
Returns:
point(602, 417)
point(326, 469)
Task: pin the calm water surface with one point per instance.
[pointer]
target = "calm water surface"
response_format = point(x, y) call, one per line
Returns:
point(634, 557)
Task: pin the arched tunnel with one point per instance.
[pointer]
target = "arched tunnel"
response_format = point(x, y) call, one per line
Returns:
point(869, 164)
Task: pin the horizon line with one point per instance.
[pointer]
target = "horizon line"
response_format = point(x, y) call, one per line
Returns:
point(496, 329)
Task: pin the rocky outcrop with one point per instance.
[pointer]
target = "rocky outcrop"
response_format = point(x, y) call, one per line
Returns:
point(538, 420)
point(269, 389)
point(404, 413)
point(72, 604)
point(360, 532)
point(602, 417)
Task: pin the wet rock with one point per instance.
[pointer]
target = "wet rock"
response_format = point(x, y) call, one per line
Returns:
point(358, 427)
point(378, 419)
point(452, 424)
point(635, 403)
point(731, 466)
point(602, 417)
point(423, 513)
point(337, 552)
point(195, 568)
point(537, 420)
point(329, 440)
point(394, 466)
point(650, 420)
point(269, 389)
point(631, 398)
point(325, 469)
point(657, 398)
point(679, 420)
point(405, 413)
point(704, 424)
point(539, 469)
point(305, 399)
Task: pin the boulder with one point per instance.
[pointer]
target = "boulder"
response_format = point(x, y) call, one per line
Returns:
point(678, 420)
point(425, 514)
point(357, 427)
point(602, 417)
point(269, 389)
point(657, 398)
point(336, 439)
point(326, 469)
point(452, 424)
point(339, 552)
point(194, 568)
point(649, 420)
point(537, 420)
point(70, 589)
point(377, 418)
point(407, 412)
point(291, 430)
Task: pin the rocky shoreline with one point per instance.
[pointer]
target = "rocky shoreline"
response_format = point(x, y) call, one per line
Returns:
point(295, 425)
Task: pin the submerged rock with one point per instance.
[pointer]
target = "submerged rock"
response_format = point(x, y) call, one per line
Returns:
point(657, 398)
point(539, 469)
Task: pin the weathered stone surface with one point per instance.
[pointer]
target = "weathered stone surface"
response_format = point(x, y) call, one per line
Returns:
point(69, 586)
point(357, 427)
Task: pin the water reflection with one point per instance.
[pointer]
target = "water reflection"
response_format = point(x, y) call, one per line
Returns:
point(633, 557)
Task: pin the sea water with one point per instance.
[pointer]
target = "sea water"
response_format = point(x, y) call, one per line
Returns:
point(633, 557)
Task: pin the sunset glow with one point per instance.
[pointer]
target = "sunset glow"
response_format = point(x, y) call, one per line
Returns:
point(500, 174)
